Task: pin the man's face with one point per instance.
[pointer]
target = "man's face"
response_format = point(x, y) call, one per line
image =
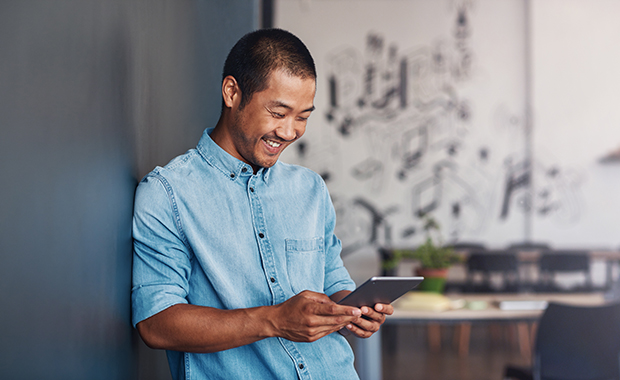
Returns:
point(272, 120)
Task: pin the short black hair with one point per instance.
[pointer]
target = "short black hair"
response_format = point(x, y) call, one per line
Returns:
point(259, 53)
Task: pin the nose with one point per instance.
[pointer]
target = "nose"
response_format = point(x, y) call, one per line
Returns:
point(286, 131)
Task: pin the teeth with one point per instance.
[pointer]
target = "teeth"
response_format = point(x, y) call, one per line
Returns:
point(272, 143)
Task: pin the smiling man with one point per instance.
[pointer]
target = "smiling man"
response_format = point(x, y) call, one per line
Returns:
point(236, 269)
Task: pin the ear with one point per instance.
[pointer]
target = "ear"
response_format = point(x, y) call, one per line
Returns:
point(231, 92)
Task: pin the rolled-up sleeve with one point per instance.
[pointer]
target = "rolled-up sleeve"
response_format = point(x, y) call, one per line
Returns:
point(161, 258)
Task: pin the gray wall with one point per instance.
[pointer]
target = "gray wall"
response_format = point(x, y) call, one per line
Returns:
point(93, 94)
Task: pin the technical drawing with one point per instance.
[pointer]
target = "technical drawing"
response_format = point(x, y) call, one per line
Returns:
point(404, 135)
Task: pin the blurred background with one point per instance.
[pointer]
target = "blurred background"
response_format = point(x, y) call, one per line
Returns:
point(496, 117)
point(499, 118)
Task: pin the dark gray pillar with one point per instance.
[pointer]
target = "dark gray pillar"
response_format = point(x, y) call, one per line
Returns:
point(92, 95)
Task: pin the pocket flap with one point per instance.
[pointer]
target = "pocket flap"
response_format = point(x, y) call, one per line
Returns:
point(304, 245)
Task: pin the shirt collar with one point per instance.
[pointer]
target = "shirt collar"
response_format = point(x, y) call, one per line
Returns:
point(230, 166)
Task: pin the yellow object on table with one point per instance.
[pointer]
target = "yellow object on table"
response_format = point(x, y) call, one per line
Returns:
point(427, 301)
point(477, 305)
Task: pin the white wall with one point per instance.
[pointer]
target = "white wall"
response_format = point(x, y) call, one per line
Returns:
point(576, 61)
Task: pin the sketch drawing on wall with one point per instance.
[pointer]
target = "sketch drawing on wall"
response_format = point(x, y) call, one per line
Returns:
point(412, 101)
point(558, 193)
point(403, 134)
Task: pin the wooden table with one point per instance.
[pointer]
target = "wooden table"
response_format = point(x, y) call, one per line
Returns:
point(368, 351)
point(464, 317)
point(492, 312)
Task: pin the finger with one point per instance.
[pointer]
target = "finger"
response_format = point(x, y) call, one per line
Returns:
point(384, 308)
point(333, 309)
point(325, 306)
point(367, 324)
point(372, 315)
point(315, 327)
point(326, 317)
point(334, 320)
point(358, 331)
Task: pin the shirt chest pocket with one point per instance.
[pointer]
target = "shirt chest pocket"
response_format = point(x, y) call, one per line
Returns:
point(305, 264)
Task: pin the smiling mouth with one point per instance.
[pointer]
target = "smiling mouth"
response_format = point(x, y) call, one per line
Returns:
point(272, 143)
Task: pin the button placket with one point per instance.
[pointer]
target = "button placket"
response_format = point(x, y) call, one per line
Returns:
point(268, 260)
point(264, 245)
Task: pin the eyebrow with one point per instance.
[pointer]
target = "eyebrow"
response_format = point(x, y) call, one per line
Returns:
point(277, 103)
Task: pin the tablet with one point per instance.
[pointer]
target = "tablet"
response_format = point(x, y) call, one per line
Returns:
point(380, 290)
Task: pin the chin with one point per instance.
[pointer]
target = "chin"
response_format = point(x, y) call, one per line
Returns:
point(267, 163)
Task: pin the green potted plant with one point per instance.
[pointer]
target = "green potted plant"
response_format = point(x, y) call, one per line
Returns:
point(434, 258)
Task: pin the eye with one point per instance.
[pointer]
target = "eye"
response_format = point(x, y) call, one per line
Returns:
point(277, 115)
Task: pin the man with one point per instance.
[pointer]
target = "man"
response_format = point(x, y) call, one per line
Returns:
point(236, 265)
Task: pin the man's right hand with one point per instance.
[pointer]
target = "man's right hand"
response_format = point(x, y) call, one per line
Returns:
point(309, 316)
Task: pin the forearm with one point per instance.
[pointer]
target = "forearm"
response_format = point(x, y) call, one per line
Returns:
point(191, 328)
point(306, 317)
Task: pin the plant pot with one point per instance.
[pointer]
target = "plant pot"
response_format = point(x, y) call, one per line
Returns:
point(434, 279)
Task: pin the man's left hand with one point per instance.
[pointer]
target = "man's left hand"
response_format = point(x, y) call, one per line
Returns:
point(371, 320)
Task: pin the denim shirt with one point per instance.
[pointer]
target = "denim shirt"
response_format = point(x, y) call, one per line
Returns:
point(208, 231)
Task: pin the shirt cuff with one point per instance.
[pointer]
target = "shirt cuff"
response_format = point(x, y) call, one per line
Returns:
point(149, 300)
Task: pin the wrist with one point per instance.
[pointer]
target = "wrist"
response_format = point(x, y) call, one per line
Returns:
point(264, 317)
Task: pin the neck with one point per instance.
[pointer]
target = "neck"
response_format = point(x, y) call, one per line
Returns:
point(221, 136)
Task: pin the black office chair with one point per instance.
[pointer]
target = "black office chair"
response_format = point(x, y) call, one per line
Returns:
point(461, 247)
point(529, 246)
point(386, 254)
point(575, 343)
point(467, 246)
point(485, 264)
point(554, 263)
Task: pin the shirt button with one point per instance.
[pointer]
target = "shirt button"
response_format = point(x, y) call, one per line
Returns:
point(244, 169)
point(232, 175)
point(272, 279)
point(251, 189)
point(301, 366)
point(260, 235)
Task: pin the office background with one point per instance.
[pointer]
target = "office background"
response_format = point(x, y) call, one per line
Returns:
point(497, 117)
point(93, 94)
